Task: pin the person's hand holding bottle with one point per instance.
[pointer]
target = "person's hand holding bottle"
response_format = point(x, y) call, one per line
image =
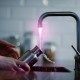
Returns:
point(9, 58)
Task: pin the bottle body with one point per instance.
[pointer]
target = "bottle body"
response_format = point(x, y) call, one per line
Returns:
point(31, 57)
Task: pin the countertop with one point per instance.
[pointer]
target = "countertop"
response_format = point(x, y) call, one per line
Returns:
point(34, 75)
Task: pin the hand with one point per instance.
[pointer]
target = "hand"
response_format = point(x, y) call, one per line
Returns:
point(8, 50)
point(9, 75)
point(11, 64)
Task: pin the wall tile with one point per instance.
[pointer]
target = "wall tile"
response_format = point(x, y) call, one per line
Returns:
point(11, 2)
point(4, 12)
point(23, 13)
point(11, 27)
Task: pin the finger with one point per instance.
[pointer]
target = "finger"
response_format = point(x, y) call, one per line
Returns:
point(6, 67)
point(16, 68)
point(2, 52)
point(5, 43)
point(14, 53)
point(23, 65)
point(10, 52)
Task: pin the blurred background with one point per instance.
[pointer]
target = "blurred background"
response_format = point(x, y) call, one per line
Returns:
point(19, 25)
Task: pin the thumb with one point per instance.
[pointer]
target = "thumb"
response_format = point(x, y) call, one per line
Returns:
point(23, 65)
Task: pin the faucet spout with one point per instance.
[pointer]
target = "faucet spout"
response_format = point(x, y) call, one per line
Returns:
point(72, 14)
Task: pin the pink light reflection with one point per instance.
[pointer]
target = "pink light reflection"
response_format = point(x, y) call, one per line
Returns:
point(40, 37)
point(42, 32)
point(45, 32)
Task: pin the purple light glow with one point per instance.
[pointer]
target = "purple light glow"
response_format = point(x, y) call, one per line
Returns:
point(40, 30)
point(40, 37)
point(42, 33)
